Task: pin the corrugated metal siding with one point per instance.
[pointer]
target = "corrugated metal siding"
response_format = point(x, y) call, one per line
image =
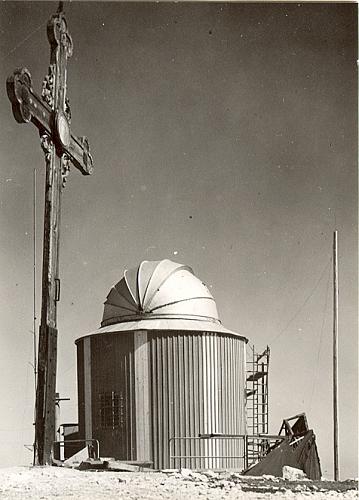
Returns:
point(197, 386)
point(112, 369)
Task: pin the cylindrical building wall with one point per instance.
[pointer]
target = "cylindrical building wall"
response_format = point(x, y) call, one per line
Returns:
point(197, 387)
point(106, 393)
point(139, 390)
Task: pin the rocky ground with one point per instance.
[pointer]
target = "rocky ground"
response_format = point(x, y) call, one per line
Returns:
point(57, 482)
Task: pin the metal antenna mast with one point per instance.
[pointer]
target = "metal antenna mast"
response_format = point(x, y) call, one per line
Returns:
point(34, 277)
point(335, 355)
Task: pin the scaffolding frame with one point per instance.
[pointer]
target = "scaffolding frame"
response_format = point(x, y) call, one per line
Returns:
point(257, 403)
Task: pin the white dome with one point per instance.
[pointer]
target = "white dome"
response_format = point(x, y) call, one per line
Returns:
point(159, 290)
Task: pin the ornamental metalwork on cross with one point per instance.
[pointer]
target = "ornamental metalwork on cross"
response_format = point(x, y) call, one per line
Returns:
point(50, 113)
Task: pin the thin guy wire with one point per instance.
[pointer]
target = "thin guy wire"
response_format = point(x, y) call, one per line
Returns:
point(304, 303)
point(320, 342)
point(24, 40)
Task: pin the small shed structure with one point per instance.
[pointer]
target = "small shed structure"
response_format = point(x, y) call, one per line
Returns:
point(162, 368)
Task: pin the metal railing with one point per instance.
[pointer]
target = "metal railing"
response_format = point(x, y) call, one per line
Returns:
point(218, 451)
point(93, 447)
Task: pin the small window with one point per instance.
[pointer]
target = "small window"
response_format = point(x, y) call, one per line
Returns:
point(109, 410)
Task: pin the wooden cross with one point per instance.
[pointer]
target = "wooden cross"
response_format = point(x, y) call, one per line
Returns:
point(50, 113)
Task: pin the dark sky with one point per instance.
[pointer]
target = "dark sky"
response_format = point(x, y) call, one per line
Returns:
point(224, 137)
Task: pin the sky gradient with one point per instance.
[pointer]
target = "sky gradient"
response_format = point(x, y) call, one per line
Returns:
point(224, 137)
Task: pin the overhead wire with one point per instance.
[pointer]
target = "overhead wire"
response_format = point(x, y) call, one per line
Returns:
point(302, 306)
point(320, 342)
point(24, 40)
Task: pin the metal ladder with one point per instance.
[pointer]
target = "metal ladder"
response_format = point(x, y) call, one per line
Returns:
point(257, 403)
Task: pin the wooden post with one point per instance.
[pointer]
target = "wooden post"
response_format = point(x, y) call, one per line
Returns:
point(46, 388)
point(143, 452)
point(51, 114)
point(335, 355)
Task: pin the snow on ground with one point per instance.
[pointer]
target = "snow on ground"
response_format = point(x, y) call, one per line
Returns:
point(57, 482)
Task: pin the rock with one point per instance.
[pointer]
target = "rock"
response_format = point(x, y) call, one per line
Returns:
point(186, 473)
point(199, 477)
point(236, 475)
point(269, 477)
point(293, 474)
point(210, 474)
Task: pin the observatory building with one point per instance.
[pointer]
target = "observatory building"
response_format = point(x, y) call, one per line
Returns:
point(162, 368)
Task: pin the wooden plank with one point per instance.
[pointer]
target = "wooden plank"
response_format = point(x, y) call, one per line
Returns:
point(132, 466)
point(154, 397)
point(201, 397)
point(197, 397)
point(171, 411)
point(176, 430)
point(87, 387)
point(165, 401)
point(192, 404)
point(132, 404)
point(187, 411)
point(50, 388)
point(142, 396)
point(256, 376)
point(181, 408)
point(159, 382)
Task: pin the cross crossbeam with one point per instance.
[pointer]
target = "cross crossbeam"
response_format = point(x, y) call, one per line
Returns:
point(28, 106)
point(50, 113)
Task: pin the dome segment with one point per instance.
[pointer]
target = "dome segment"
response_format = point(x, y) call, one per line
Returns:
point(159, 289)
point(145, 274)
point(152, 284)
